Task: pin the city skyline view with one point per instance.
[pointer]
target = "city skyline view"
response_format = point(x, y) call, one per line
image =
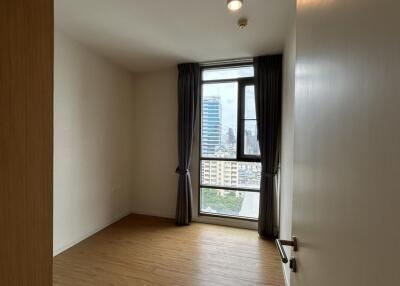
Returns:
point(224, 183)
point(219, 121)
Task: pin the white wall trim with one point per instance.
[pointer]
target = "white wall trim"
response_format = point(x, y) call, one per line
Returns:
point(204, 219)
point(152, 213)
point(226, 222)
point(285, 277)
point(88, 234)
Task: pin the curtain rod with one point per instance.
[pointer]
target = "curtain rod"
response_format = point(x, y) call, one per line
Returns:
point(227, 62)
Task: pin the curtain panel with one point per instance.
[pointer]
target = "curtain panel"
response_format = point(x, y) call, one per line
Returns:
point(188, 96)
point(268, 93)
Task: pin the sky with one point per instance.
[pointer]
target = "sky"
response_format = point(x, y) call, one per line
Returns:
point(228, 92)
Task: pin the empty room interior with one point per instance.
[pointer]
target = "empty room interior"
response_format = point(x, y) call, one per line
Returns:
point(154, 127)
point(199, 142)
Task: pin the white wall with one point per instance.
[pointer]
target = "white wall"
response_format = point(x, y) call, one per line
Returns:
point(287, 156)
point(155, 147)
point(93, 142)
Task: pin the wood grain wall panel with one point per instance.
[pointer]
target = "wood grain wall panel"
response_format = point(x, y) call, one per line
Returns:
point(26, 142)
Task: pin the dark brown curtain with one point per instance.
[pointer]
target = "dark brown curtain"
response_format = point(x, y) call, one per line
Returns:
point(268, 89)
point(188, 95)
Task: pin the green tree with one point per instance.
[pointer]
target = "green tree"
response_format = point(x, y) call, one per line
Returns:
point(228, 203)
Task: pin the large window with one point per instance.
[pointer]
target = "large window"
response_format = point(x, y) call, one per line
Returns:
point(230, 168)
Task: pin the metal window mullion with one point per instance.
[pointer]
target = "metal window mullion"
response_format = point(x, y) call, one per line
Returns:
point(218, 215)
point(240, 137)
point(230, 188)
point(248, 80)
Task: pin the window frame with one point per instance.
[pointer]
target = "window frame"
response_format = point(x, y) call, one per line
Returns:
point(241, 122)
point(240, 156)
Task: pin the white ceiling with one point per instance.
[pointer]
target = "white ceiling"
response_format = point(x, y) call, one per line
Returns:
point(145, 35)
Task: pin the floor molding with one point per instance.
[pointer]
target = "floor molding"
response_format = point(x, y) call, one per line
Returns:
point(155, 214)
point(285, 277)
point(226, 222)
point(66, 246)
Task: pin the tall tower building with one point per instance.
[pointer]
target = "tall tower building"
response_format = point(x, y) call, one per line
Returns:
point(211, 125)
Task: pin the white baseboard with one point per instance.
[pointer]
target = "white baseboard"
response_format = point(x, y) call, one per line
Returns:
point(88, 234)
point(285, 277)
point(152, 213)
point(203, 219)
point(226, 222)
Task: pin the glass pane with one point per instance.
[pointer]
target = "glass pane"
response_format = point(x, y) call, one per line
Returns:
point(231, 203)
point(251, 146)
point(249, 103)
point(228, 73)
point(219, 120)
point(231, 174)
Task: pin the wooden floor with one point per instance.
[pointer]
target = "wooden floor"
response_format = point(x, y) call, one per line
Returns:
point(141, 250)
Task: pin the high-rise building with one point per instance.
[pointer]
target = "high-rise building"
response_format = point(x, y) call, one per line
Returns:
point(230, 174)
point(251, 145)
point(211, 125)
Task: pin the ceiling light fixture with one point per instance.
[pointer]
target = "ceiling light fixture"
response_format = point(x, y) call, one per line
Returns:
point(235, 5)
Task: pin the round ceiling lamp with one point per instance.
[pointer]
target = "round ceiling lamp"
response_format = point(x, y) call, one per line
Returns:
point(235, 5)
